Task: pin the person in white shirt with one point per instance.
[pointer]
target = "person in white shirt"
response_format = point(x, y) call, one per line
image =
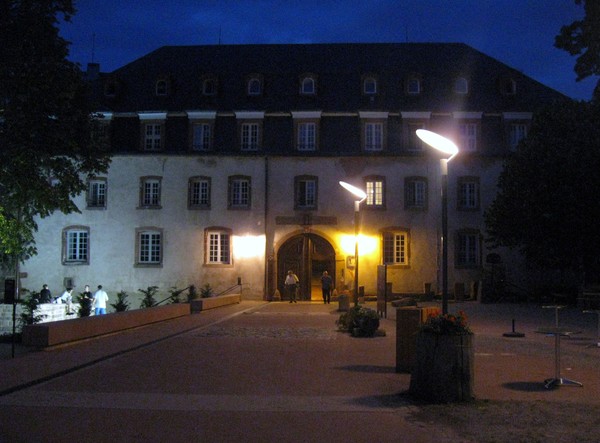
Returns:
point(291, 285)
point(99, 303)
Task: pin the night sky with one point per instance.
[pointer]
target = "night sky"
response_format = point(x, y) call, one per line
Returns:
point(519, 33)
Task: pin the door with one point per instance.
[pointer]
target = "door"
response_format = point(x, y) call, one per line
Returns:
point(307, 255)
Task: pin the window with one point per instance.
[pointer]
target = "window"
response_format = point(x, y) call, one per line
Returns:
point(96, 193)
point(250, 136)
point(395, 248)
point(254, 86)
point(373, 136)
point(461, 85)
point(217, 246)
point(162, 87)
point(375, 190)
point(150, 192)
point(369, 86)
point(467, 251)
point(209, 86)
point(76, 245)
point(308, 86)
point(468, 193)
point(415, 193)
point(413, 86)
point(239, 192)
point(468, 136)
point(414, 143)
point(202, 136)
point(306, 188)
point(199, 193)
point(152, 136)
point(149, 246)
point(508, 86)
point(307, 136)
point(518, 131)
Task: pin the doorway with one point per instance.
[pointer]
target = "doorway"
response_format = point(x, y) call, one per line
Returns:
point(308, 255)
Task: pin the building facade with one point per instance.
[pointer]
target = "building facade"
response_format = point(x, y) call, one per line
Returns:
point(226, 162)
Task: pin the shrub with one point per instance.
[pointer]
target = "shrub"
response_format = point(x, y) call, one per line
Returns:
point(175, 293)
point(206, 291)
point(447, 324)
point(148, 301)
point(121, 305)
point(30, 305)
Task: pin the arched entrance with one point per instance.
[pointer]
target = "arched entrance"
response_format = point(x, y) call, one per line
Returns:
point(308, 255)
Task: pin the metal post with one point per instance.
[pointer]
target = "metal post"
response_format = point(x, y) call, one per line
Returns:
point(444, 167)
point(356, 231)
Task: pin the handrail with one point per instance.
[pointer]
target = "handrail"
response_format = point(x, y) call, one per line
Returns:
point(229, 289)
point(171, 296)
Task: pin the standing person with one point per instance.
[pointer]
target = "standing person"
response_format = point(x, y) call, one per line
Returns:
point(326, 287)
point(45, 294)
point(291, 285)
point(100, 299)
point(86, 300)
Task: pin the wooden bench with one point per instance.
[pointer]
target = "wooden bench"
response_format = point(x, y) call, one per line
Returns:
point(64, 331)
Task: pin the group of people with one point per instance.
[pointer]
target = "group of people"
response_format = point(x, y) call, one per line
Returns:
point(292, 282)
point(97, 300)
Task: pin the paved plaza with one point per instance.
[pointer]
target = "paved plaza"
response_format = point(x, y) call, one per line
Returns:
point(266, 372)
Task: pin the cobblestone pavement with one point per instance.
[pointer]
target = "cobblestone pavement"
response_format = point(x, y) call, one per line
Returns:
point(273, 372)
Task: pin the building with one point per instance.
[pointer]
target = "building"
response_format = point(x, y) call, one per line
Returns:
point(226, 163)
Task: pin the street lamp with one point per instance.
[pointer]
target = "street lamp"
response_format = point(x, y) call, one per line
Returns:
point(357, 192)
point(446, 146)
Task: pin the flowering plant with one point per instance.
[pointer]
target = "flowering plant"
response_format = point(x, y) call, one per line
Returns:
point(447, 324)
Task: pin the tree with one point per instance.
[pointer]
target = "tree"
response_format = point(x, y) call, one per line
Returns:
point(547, 204)
point(46, 146)
point(582, 38)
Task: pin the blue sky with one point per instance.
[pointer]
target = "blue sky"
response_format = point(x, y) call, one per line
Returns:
point(519, 33)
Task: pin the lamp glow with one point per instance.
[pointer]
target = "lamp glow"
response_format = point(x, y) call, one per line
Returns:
point(354, 190)
point(438, 142)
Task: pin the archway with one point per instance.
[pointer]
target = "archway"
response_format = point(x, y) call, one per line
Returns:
point(308, 255)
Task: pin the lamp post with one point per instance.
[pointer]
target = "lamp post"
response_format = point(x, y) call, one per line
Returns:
point(362, 196)
point(446, 146)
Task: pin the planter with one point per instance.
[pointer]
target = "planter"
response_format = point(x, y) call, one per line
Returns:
point(443, 371)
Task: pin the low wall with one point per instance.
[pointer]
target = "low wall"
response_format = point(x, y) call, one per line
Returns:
point(202, 304)
point(48, 312)
point(64, 331)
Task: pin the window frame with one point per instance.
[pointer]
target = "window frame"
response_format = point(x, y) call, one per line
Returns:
point(301, 192)
point(305, 81)
point(513, 138)
point(239, 203)
point(370, 79)
point(474, 195)
point(468, 142)
point(92, 198)
point(410, 193)
point(209, 86)
point(206, 140)
point(253, 80)
point(139, 247)
point(370, 183)
point(201, 202)
point(155, 203)
point(367, 127)
point(211, 234)
point(468, 249)
point(388, 257)
point(67, 259)
point(155, 140)
point(161, 87)
point(461, 85)
point(409, 81)
point(301, 136)
point(249, 142)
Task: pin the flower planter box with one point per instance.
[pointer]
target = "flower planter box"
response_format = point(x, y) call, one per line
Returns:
point(202, 304)
point(444, 368)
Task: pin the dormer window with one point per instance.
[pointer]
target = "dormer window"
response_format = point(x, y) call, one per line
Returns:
point(508, 86)
point(370, 86)
point(413, 86)
point(111, 88)
point(162, 87)
point(461, 85)
point(308, 85)
point(254, 86)
point(209, 86)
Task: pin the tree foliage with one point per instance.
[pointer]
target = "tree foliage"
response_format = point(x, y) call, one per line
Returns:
point(582, 38)
point(547, 204)
point(46, 146)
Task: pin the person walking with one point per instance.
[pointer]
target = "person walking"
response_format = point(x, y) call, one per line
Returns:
point(291, 285)
point(100, 299)
point(326, 287)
